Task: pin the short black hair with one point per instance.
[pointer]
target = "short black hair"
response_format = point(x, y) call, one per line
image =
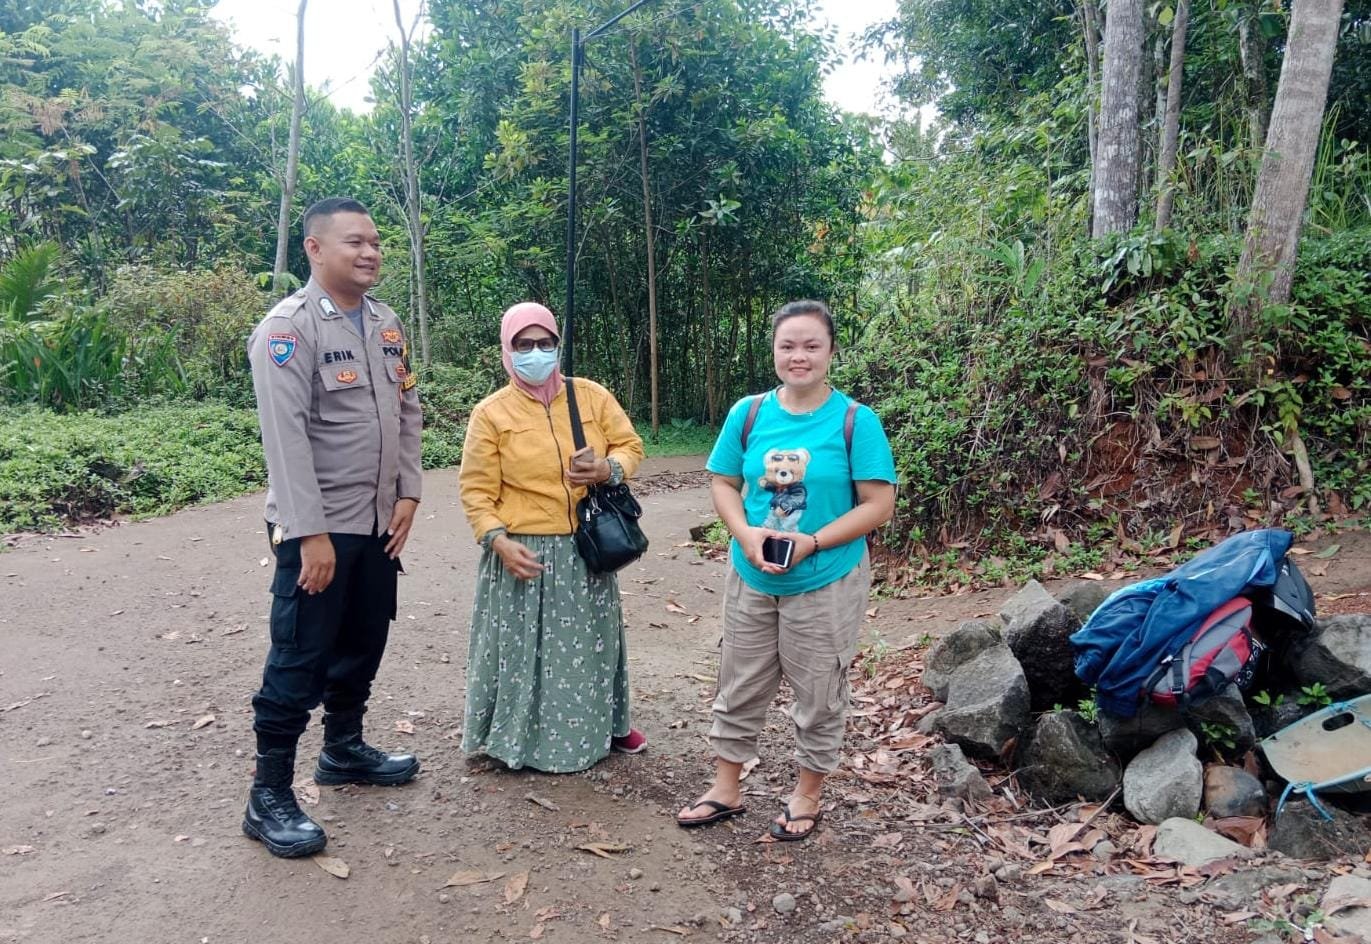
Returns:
point(806, 306)
point(331, 206)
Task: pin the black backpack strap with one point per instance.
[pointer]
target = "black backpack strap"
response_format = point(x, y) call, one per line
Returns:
point(578, 435)
point(753, 409)
point(849, 424)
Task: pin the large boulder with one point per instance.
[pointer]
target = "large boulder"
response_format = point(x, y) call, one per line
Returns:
point(1187, 842)
point(1228, 718)
point(1084, 597)
point(1064, 758)
point(1126, 736)
point(1301, 833)
point(1286, 710)
point(1337, 655)
point(1347, 904)
point(955, 775)
point(1232, 791)
point(987, 704)
point(1240, 890)
point(955, 650)
point(1166, 780)
point(1038, 630)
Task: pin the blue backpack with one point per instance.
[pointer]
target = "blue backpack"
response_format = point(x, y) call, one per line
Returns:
point(1148, 624)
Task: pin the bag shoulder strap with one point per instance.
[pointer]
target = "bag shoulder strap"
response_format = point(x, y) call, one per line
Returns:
point(751, 419)
point(578, 435)
point(755, 407)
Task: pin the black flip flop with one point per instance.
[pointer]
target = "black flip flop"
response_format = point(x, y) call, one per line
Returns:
point(780, 834)
point(721, 812)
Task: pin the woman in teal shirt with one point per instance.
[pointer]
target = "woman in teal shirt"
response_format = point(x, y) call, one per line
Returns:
point(806, 465)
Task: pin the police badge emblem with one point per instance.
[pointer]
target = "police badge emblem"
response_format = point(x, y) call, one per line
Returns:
point(391, 336)
point(347, 376)
point(281, 347)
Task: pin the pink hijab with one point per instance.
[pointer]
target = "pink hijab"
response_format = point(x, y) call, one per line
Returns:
point(517, 318)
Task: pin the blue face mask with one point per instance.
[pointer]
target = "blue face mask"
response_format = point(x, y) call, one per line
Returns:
point(535, 366)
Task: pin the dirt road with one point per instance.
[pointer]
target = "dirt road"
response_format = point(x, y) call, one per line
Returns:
point(129, 657)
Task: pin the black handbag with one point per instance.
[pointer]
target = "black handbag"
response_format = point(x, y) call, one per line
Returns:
point(608, 536)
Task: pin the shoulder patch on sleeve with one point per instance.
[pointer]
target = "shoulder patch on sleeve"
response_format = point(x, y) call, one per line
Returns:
point(281, 347)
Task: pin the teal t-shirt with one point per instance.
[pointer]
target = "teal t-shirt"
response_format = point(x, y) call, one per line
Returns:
point(796, 477)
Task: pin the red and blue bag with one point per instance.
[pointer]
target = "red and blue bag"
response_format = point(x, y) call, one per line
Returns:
point(1223, 651)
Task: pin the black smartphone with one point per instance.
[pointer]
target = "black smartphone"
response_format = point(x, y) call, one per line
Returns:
point(777, 551)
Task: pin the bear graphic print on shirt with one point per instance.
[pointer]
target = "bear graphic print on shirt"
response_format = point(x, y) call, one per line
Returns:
point(784, 479)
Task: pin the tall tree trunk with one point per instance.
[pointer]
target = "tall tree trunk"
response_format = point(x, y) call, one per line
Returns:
point(1090, 27)
point(1252, 54)
point(707, 323)
point(1171, 123)
point(1273, 227)
point(413, 216)
point(1116, 164)
point(297, 111)
point(648, 234)
point(1157, 77)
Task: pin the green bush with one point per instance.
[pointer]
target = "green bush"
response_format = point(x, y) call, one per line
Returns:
point(1010, 419)
point(57, 469)
point(677, 438)
point(448, 394)
point(59, 351)
point(208, 313)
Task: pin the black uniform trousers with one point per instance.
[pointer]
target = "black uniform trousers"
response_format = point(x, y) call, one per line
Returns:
point(325, 646)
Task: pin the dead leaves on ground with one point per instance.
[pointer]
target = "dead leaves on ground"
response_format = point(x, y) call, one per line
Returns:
point(471, 877)
point(515, 887)
point(673, 607)
point(332, 865)
point(540, 918)
point(889, 776)
point(604, 850)
point(13, 706)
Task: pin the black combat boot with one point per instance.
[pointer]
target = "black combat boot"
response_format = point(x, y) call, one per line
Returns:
point(346, 758)
point(273, 816)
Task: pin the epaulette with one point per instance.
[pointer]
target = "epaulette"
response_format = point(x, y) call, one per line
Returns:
point(289, 306)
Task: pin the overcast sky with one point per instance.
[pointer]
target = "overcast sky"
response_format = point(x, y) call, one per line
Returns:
point(344, 37)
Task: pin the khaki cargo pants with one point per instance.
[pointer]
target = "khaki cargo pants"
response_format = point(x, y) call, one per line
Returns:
point(808, 639)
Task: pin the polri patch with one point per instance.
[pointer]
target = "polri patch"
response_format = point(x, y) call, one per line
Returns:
point(347, 376)
point(281, 347)
point(391, 336)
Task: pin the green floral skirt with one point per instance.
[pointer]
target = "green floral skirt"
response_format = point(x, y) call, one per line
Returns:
point(547, 669)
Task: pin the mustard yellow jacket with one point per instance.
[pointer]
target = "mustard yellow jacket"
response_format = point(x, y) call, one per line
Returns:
point(517, 451)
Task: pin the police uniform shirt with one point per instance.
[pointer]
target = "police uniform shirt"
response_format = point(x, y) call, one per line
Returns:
point(339, 413)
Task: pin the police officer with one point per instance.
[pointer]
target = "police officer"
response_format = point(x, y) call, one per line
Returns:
point(340, 427)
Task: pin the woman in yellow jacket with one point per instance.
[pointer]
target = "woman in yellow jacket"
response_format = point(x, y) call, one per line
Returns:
point(547, 669)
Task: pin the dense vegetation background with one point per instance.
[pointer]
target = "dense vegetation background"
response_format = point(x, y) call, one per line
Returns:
point(1056, 398)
